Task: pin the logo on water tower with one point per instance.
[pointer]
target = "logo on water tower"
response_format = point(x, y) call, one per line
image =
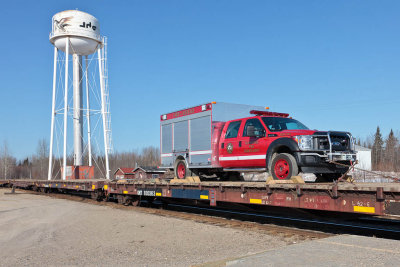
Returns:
point(87, 25)
point(62, 23)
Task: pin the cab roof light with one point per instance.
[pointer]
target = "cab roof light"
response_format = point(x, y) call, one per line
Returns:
point(269, 113)
point(213, 102)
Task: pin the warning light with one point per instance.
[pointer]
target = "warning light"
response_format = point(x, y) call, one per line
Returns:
point(213, 102)
point(266, 107)
point(269, 113)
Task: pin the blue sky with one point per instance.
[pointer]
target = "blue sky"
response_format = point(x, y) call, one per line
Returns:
point(330, 64)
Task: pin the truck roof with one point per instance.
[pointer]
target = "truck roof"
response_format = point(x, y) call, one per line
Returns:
point(228, 111)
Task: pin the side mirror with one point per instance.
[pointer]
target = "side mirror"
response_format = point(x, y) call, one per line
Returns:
point(262, 133)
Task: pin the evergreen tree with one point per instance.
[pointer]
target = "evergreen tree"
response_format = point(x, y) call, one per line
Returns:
point(390, 149)
point(377, 150)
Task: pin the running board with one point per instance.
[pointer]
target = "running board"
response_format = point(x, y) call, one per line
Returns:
point(246, 170)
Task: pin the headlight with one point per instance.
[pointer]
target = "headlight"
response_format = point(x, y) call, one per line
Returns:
point(304, 142)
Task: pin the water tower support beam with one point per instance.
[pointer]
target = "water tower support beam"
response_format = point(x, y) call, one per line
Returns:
point(78, 111)
point(53, 114)
point(88, 112)
point(103, 112)
point(65, 108)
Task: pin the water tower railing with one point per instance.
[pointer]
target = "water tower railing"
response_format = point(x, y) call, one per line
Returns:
point(98, 37)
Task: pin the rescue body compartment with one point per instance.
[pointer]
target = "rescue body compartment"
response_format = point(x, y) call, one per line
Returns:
point(193, 134)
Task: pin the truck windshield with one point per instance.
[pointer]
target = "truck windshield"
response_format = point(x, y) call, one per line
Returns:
point(276, 124)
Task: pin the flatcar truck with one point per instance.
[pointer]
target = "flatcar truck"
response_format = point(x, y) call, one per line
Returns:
point(225, 140)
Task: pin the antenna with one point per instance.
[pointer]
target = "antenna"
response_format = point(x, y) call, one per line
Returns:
point(77, 33)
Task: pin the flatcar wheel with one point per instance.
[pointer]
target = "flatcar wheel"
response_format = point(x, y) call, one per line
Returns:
point(127, 201)
point(120, 199)
point(93, 195)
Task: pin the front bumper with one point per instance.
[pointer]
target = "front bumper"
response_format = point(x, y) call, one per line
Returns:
point(342, 156)
point(312, 157)
point(320, 162)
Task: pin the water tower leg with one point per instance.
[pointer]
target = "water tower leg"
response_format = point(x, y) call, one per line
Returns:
point(88, 112)
point(65, 109)
point(53, 114)
point(78, 112)
point(103, 112)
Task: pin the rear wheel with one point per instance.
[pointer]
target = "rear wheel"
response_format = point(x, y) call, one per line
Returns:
point(283, 167)
point(180, 169)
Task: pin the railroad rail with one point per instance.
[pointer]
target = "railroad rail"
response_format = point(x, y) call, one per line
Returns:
point(381, 199)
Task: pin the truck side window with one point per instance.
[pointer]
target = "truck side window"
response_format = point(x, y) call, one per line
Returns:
point(257, 126)
point(233, 129)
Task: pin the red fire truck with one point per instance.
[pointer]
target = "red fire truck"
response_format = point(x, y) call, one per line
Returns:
point(227, 139)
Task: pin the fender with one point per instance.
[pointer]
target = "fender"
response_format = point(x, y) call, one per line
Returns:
point(280, 143)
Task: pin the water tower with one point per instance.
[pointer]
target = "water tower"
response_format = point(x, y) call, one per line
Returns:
point(77, 34)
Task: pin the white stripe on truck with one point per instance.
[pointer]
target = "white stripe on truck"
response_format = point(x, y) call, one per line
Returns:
point(201, 152)
point(243, 157)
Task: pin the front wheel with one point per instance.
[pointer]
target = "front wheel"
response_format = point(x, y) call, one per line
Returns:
point(180, 169)
point(283, 167)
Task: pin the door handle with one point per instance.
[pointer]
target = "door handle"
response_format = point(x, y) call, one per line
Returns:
point(240, 143)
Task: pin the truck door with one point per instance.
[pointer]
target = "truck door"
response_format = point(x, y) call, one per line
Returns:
point(253, 143)
point(229, 146)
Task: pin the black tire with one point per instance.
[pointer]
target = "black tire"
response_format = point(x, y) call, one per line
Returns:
point(181, 171)
point(283, 167)
point(327, 177)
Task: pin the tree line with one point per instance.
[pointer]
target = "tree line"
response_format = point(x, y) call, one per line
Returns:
point(36, 166)
point(385, 150)
point(385, 156)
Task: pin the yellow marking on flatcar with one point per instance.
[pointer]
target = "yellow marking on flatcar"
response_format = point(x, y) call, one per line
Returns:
point(364, 209)
point(76, 186)
point(125, 192)
point(158, 194)
point(65, 185)
point(56, 184)
point(105, 187)
point(203, 197)
point(93, 186)
point(255, 201)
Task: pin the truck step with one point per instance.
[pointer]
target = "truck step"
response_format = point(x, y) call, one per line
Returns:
point(245, 170)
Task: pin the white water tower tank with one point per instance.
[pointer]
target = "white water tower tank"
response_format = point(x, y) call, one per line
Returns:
point(82, 29)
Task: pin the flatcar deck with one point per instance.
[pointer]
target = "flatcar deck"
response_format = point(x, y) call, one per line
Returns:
point(360, 198)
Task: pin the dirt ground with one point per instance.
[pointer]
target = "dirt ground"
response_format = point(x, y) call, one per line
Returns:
point(40, 230)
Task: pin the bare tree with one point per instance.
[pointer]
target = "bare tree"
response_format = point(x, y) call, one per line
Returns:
point(8, 162)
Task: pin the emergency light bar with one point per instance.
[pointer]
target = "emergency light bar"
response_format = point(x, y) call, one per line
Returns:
point(269, 113)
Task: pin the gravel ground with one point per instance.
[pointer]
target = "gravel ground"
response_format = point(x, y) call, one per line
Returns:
point(39, 230)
